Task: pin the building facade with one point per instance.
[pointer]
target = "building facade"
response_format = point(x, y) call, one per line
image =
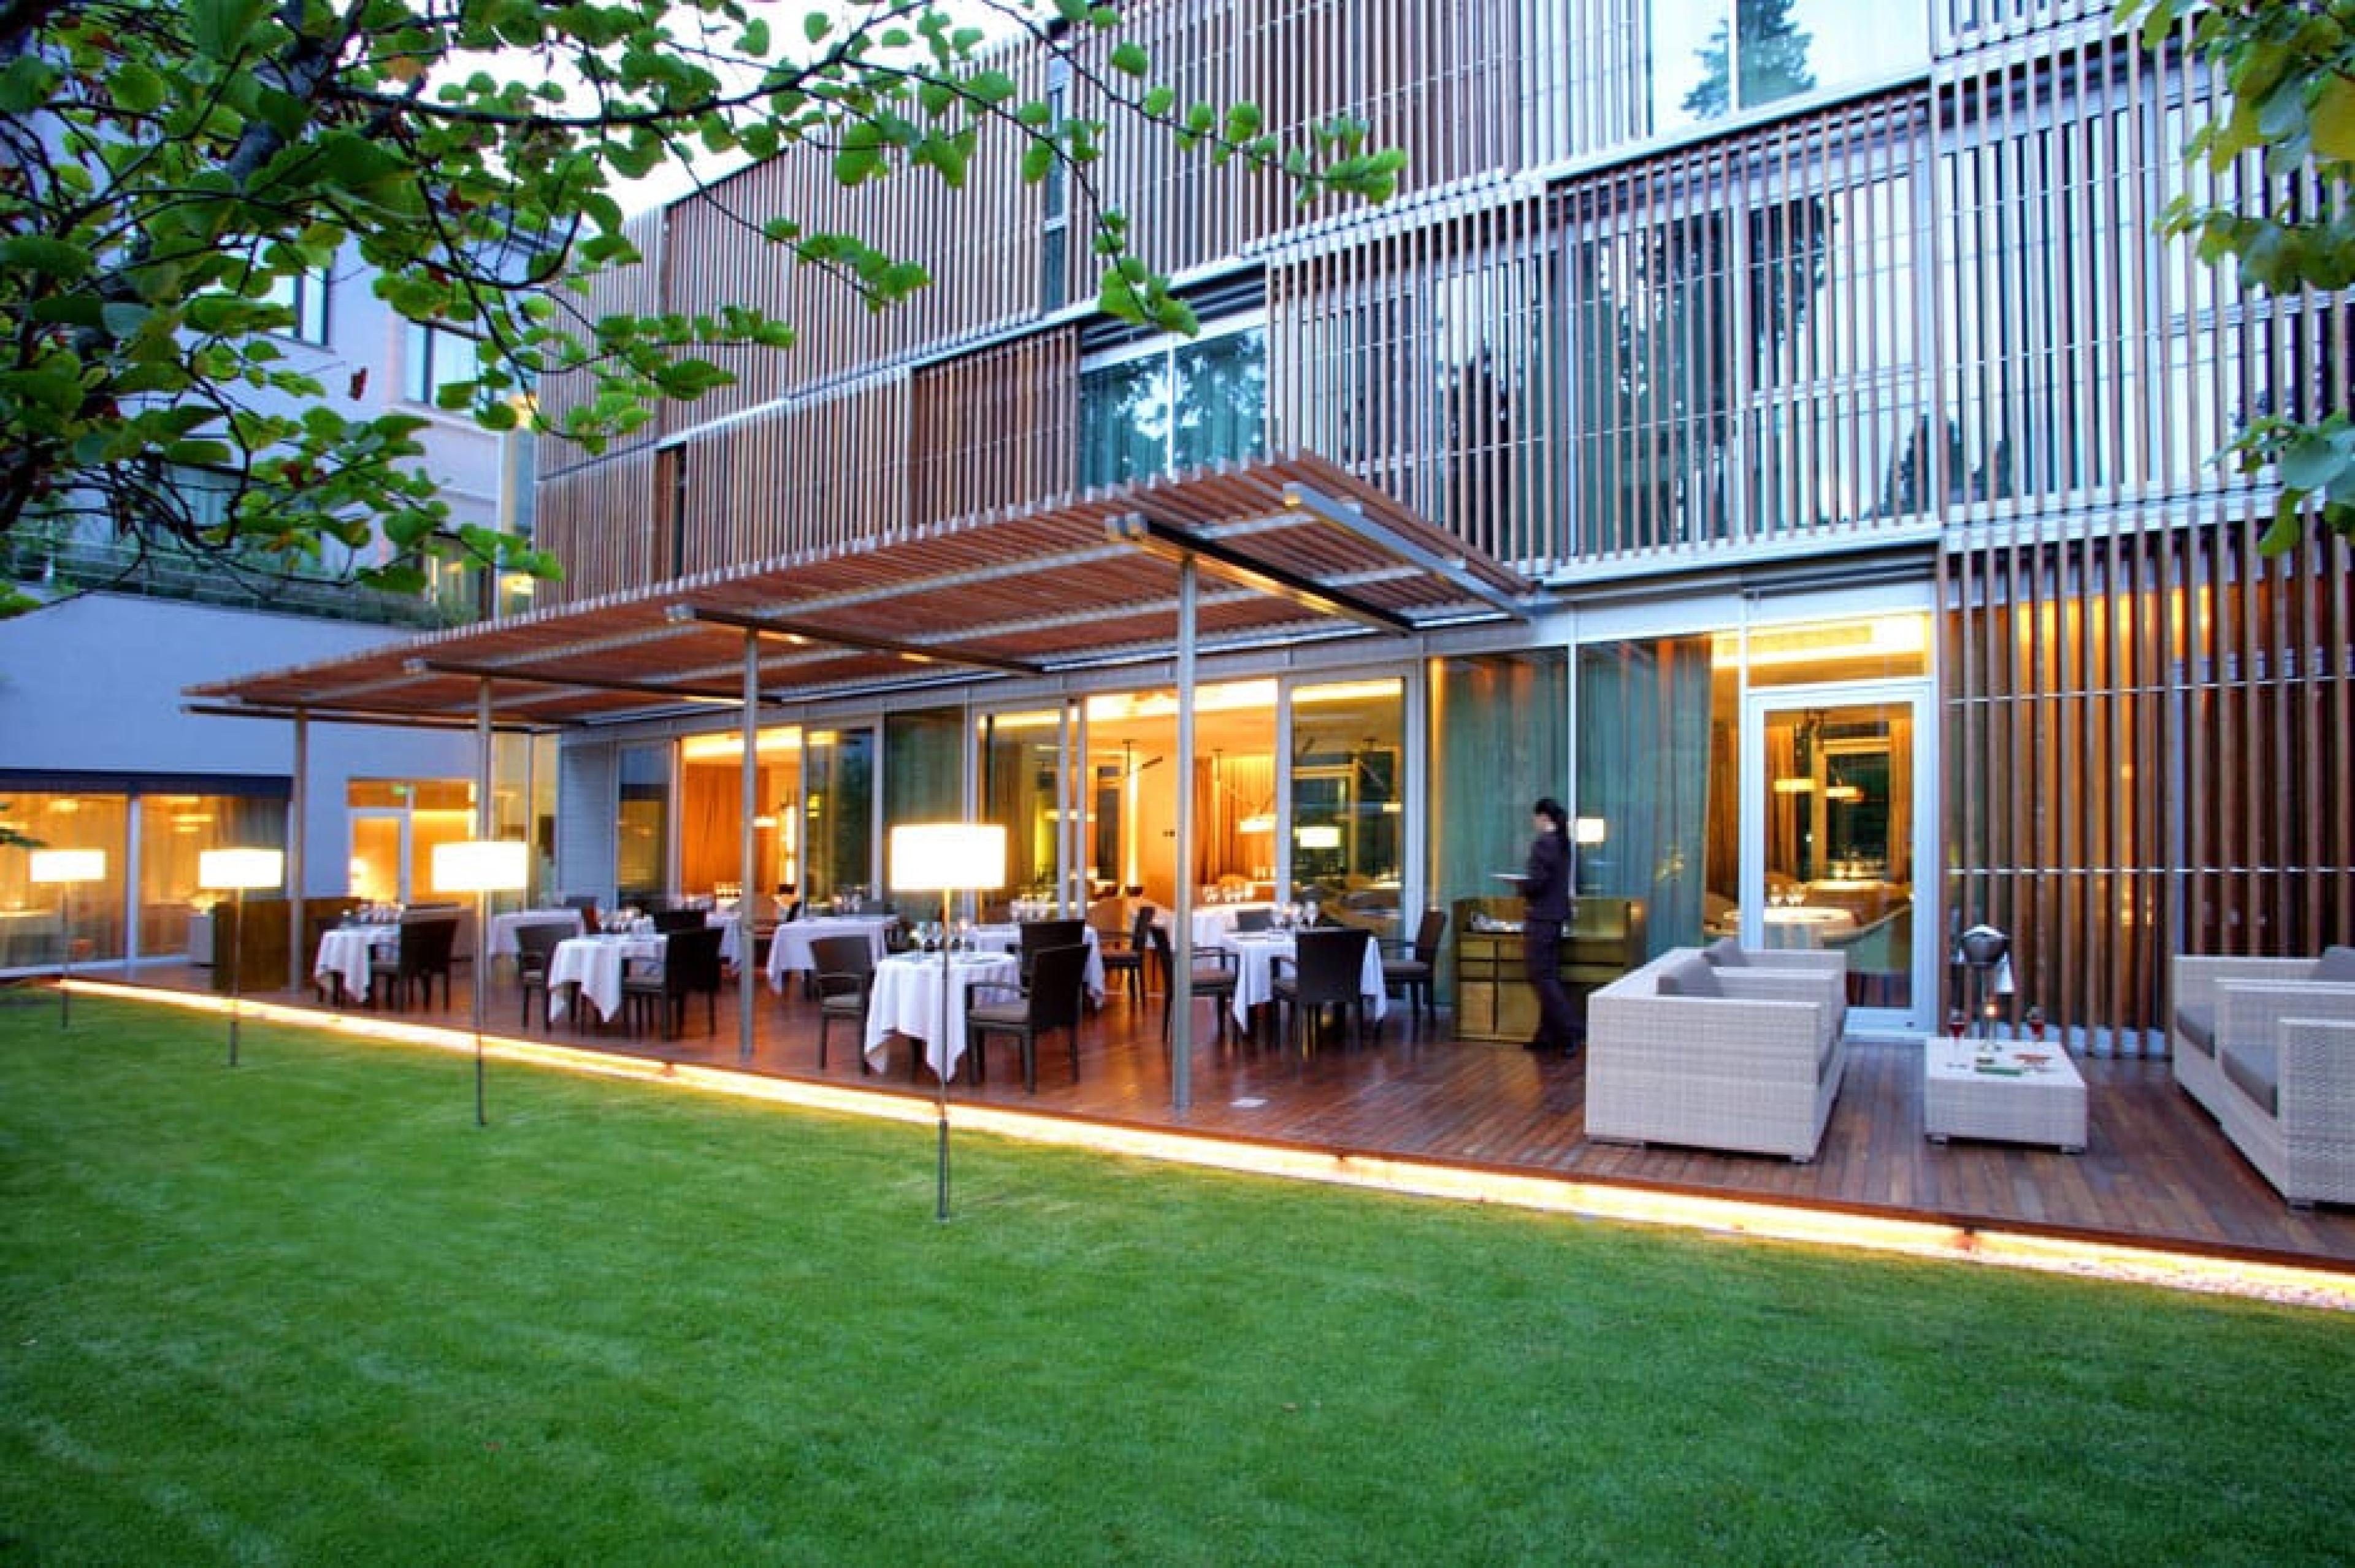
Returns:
point(1819, 365)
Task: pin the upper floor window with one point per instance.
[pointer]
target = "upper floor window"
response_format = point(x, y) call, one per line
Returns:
point(1164, 405)
point(1710, 59)
point(435, 357)
point(303, 295)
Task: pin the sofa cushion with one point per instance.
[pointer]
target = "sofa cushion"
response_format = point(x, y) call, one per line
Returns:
point(1725, 953)
point(2338, 964)
point(1689, 976)
point(2255, 1071)
point(2196, 1022)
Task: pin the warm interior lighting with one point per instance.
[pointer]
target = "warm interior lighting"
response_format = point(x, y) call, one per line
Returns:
point(948, 857)
point(1114, 707)
point(241, 870)
point(1795, 785)
point(1317, 836)
point(1905, 636)
point(481, 865)
point(725, 746)
point(1844, 791)
point(1346, 691)
point(68, 865)
point(1590, 830)
point(1257, 822)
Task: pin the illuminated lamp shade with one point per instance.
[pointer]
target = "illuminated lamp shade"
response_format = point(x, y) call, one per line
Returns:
point(948, 857)
point(1317, 836)
point(1799, 784)
point(68, 865)
point(1591, 830)
point(1258, 822)
point(241, 871)
point(481, 865)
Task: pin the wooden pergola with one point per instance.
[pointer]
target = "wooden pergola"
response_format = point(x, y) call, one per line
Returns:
point(1262, 554)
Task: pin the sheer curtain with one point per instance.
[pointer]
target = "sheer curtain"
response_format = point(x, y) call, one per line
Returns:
point(1500, 734)
point(1644, 768)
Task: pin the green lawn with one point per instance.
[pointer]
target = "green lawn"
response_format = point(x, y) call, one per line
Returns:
point(306, 1312)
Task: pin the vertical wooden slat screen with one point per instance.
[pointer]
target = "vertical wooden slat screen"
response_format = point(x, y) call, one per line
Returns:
point(995, 429)
point(1419, 355)
point(1748, 341)
point(604, 532)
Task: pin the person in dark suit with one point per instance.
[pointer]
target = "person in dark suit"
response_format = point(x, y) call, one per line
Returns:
point(1545, 887)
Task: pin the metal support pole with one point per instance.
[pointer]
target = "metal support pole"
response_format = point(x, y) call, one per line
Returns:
point(1181, 934)
point(297, 877)
point(483, 829)
point(747, 886)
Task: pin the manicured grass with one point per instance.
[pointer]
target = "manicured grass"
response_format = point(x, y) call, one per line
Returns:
point(306, 1312)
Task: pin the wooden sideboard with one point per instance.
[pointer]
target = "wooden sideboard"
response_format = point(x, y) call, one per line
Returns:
point(1493, 998)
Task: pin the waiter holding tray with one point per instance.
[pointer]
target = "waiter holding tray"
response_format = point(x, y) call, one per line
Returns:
point(1545, 887)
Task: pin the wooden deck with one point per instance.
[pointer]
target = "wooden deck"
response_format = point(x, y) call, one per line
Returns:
point(2154, 1173)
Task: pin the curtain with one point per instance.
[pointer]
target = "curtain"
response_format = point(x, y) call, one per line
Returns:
point(1643, 767)
point(1501, 736)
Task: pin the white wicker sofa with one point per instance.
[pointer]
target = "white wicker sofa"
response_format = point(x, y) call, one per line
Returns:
point(2266, 1046)
point(1740, 1058)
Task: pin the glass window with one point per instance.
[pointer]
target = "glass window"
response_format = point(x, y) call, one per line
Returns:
point(642, 857)
point(1349, 743)
point(1722, 57)
point(174, 831)
point(436, 358)
point(305, 297)
point(35, 928)
point(1174, 405)
point(1020, 754)
point(1499, 739)
point(838, 811)
point(1658, 818)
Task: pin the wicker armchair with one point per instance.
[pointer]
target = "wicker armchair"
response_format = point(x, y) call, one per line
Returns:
point(1744, 1060)
point(2266, 1046)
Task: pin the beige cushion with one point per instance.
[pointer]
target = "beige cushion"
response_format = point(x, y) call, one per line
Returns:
point(1689, 976)
point(2196, 1022)
point(1725, 953)
point(2338, 965)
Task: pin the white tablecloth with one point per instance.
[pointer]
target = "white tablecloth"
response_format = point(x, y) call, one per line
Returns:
point(1212, 922)
point(1008, 939)
point(1806, 926)
point(594, 964)
point(503, 926)
point(344, 951)
point(1255, 956)
point(789, 946)
point(907, 1001)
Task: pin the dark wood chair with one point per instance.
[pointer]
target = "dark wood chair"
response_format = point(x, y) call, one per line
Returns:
point(1053, 1002)
point(1038, 935)
point(422, 952)
point(1128, 961)
point(842, 974)
point(1214, 976)
point(1326, 970)
point(1254, 919)
point(535, 952)
point(669, 920)
point(690, 964)
point(1415, 972)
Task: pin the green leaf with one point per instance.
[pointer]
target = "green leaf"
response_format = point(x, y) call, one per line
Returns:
point(221, 29)
point(40, 253)
point(137, 87)
point(2334, 119)
point(27, 84)
point(1128, 57)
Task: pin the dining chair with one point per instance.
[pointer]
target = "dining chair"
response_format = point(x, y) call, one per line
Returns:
point(1328, 967)
point(669, 920)
point(1254, 919)
point(1214, 976)
point(1037, 935)
point(1416, 974)
point(535, 954)
point(842, 971)
point(1053, 1002)
point(1128, 961)
point(422, 952)
point(690, 964)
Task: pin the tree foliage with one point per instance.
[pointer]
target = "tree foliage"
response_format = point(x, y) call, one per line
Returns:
point(169, 167)
point(2289, 66)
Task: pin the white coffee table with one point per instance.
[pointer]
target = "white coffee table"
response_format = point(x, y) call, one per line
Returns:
point(2010, 1090)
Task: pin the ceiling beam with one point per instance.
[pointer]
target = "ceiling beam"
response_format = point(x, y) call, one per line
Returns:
point(1352, 518)
point(1173, 544)
point(779, 628)
point(580, 682)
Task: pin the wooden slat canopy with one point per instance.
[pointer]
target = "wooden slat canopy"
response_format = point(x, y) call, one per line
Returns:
point(1287, 545)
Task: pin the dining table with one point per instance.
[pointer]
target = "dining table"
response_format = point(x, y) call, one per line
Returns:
point(1255, 955)
point(788, 945)
point(1006, 936)
point(1806, 925)
point(1211, 922)
point(346, 953)
point(503, 926)
point(907, 1001)
point(594, 966)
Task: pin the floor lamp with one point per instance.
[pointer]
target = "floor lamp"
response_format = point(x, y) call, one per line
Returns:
point(481, 866)
point(65, 868)
point(233, 871)
point(947, 858)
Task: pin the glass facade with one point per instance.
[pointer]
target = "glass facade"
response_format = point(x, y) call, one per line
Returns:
point(1174, 405)
point(1712, 58)
point(1348, 800)
point(838, 813)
